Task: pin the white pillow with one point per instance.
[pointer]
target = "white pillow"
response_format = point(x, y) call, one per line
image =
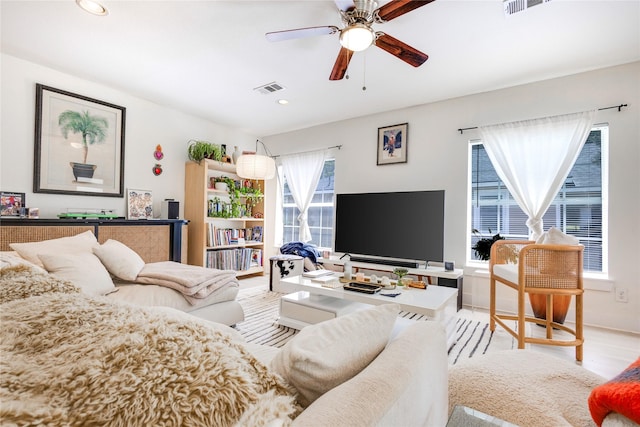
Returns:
point(83, 270)
point(121, 261)
point(13, 259)
point(80, 243)
point(324, 355)
point(556, 237)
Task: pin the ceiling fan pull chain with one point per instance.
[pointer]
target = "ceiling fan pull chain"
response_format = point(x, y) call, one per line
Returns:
point(364, 72)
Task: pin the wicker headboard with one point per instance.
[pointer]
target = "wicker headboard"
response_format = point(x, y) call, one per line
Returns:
point(153, 242)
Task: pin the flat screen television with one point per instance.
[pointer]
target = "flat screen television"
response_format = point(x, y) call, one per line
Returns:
point(398, 226)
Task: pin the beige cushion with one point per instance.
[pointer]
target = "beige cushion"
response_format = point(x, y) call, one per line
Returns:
point(83, 270)
point(13, 259)
point(553, 236)
point(324, 355)
point(121, 261)
point(83, 242)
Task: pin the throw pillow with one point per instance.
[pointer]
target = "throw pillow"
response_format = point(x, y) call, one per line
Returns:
point(621, 395)
point(79, 243)
point(556, 237)
point(324, 355)
point(13, 259)
point(83, 270)
point(121, 261)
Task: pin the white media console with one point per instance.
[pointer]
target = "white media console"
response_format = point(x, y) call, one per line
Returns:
point(450, 279)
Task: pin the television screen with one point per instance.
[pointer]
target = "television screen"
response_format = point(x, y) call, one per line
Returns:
point(399, 225)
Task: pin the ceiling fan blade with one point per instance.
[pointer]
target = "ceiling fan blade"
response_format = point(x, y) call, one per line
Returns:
point(342, 62)
point(298, 33)
point(396, 8)
point(402, 50)
point(345, 5)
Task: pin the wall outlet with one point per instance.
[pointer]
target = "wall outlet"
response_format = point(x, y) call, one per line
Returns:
point(621, 295)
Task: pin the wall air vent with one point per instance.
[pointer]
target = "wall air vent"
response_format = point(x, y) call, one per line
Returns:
point(512, 7)
point(269, 88)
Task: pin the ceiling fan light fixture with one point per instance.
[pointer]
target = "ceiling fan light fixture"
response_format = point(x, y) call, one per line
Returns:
point(93, 7)
point(357, 37)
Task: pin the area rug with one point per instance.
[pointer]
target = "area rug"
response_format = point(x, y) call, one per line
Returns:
point(260, 326)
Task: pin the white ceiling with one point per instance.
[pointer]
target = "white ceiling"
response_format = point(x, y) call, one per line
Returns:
point(205, 57)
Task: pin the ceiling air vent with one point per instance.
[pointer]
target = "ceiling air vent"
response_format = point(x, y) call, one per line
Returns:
point(269, 88)
point(512, 7)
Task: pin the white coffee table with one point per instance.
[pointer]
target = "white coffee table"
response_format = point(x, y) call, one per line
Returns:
point(313, 303)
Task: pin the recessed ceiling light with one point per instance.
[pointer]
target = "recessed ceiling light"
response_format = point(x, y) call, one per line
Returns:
point(93, 7)
point(282, 101)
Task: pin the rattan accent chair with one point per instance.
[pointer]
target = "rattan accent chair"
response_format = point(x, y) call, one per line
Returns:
point(551, 271)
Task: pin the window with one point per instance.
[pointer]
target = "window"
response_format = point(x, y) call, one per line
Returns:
point(579, 208)
point(320, 215)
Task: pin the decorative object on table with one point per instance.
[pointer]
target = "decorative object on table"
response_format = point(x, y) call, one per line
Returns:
point(199, 150)
point(33, 213)
point(68, 124)
point(236, 154)
point(77, 213)
point(482, 247)
point(347, 270)
point(139, 204)
point(11, 203)
point(158, 154)
point(386, 283)
point(157, 169)
point(400, 272)
point(392, 144)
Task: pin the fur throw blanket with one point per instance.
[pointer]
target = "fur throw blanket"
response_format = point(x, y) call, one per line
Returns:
point(23, 281)
point(72, 359)
point(195, 283)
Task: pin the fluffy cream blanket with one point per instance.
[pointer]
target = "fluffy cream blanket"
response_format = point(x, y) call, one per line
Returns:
point(72, 359)
point(524, 387)
point(195, 283)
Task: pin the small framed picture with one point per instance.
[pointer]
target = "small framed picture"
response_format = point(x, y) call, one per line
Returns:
point(139, 204)
point(392, 144)
point(11, 203)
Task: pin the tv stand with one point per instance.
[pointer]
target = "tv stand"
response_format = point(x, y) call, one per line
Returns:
point(392, 262)
point(451, 279)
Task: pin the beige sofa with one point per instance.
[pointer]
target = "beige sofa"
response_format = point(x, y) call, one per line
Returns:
point(405, 385)
point(123, 364)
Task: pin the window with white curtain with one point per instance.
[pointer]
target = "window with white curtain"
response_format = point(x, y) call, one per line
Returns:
point(579, 208)
point(320, 214)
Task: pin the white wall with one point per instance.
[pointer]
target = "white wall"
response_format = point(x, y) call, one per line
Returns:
point(438, 159)
point(147, 125)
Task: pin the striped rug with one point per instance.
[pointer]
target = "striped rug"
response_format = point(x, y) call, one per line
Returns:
point(473, 336)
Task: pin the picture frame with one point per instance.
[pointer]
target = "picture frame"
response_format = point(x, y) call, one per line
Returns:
point(392, 144)
point(139, 204)
point(79, 144)
point(12, 203)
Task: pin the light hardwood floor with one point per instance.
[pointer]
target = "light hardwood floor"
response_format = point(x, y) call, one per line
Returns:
point(606, 352)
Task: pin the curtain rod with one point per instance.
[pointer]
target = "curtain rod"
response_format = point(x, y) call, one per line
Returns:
point(309, 151)
point(619, 107)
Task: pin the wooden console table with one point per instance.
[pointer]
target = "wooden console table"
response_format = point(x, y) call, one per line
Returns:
point(154, 240)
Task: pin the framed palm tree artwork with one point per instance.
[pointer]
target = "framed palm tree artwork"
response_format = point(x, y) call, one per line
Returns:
point(79, 145)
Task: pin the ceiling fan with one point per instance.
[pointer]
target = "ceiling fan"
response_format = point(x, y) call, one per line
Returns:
point(358, 16)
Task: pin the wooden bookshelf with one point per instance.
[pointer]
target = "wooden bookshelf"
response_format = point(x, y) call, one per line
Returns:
point(213, 228)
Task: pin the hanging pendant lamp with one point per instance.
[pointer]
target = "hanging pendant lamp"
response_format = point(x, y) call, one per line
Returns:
point(255, 166)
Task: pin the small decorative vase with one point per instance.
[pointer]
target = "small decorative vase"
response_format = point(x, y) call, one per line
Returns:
point(222, 186)
point(347, 270)
point(235, 155)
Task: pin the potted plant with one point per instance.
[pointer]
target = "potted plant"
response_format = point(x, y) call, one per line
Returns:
point(93, 130)
point(198, 150)
point(482, 248)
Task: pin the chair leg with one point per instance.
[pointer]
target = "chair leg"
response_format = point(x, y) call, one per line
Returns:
point(492, 304)
point(579, 328)
point(521, 315)
point(549, 317)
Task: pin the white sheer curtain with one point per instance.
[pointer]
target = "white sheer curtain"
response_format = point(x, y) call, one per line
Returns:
point(534, 157)
point(302, 172)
